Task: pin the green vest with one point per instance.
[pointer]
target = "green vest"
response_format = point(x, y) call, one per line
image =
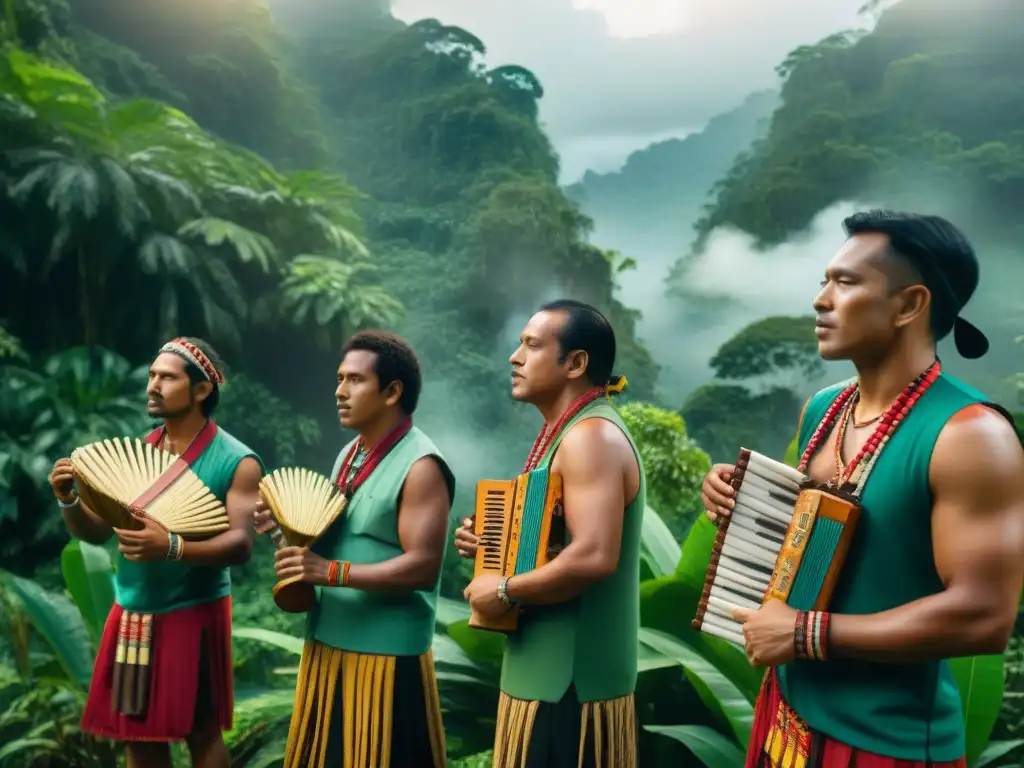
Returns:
point(383, 623)
point(161, 586)
point(591, 641)
point(906, 711)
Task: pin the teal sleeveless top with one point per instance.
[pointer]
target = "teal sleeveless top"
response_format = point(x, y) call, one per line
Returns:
point(906, 711)
point(384, 623)
point(591, 641)
point(162, 586)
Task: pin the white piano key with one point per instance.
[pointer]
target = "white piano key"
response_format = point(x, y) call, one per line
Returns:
point(723, 592)
point(729, 576)
point(744, 568)
point(770, 465)
point(713, 626)
point(740, 550)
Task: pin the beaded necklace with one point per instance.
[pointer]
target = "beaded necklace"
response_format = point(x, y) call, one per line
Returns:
point(544, 438)
point(368, 461)
point(858, 470)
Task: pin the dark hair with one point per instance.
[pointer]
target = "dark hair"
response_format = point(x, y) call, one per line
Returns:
point(588, 330)
point(395, 362)
point(927, 250)
point(196, 375)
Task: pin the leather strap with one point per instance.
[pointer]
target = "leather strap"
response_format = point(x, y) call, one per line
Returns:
point(173, 472)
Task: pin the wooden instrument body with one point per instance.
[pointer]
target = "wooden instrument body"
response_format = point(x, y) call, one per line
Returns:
point(805, 561)
point(521, 526)
point(293, 595)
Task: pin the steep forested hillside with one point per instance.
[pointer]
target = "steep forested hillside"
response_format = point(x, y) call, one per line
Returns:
point(932, 98)
point(652, 203)
point(922, 113)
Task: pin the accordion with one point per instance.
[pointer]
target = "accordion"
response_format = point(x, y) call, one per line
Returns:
point(785, 540)
point(521, 526)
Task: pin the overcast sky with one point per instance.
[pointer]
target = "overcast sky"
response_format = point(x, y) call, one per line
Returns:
point(619, 74)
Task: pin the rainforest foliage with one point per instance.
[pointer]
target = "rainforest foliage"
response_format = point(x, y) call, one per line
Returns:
point(274, 180)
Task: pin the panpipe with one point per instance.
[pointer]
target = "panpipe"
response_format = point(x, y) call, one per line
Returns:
point(521, 526)
point(786, 539)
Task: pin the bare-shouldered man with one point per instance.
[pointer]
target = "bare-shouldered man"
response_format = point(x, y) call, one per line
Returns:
point(570, 669)
point(937, 563)
point(180, 590)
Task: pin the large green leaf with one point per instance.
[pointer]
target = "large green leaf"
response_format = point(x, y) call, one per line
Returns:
point(696, 552)
point(480, 646)
point(450, 611)
point(658, 546)
point(717, 691)
point(707, 745)
point(980, 679)
point(60, 623)
point(280, 640)
point(669, 605)
point(995, 751)
point(88, 574)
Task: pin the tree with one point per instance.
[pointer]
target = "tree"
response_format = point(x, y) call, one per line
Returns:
point(726, 417)
point(775, 347)
point(673, 462)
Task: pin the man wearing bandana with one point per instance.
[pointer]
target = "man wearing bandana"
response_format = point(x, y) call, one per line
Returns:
point(171, 620)
point(937, 561)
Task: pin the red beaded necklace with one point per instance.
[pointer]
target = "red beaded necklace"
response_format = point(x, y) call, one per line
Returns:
point(857, 470)
point(544, 438)
point(373, 458)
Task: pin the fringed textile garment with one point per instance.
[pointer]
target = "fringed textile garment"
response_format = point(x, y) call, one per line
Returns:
point(356, 710)
point(780, 739)
point(186, 681)
point(566, 734)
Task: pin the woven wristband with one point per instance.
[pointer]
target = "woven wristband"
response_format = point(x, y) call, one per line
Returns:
point(799, 637)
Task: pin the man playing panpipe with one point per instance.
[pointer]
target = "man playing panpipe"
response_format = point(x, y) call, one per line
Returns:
point(171, 620)
point(367, 693)
point(937, 561)
point(570, 668)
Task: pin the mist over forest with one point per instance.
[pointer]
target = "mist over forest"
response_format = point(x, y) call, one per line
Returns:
point(274, 176)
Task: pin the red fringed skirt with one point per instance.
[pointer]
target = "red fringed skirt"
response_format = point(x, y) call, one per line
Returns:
point(780, 739)
point(189, 678)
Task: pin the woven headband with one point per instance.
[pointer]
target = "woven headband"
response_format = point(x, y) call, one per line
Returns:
point(193, 354)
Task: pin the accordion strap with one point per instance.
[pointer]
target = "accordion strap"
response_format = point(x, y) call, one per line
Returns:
point(188, 457)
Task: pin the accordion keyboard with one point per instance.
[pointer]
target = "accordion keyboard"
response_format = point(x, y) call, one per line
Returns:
point(494, 517)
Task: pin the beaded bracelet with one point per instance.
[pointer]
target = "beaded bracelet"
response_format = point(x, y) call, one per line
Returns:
point(175, 546)
point(810, 640)
point(337, 573)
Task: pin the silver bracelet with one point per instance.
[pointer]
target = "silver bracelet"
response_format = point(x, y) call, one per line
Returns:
point(503, 591)
point(68, 504)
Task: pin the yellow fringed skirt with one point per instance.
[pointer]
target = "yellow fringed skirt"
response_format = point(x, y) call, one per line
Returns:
point(567, 734)
point(355, 710)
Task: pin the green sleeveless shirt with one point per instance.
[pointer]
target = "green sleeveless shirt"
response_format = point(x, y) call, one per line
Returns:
point(162, 586)
point(906, 711)
point(384, 623)
point(591, 641)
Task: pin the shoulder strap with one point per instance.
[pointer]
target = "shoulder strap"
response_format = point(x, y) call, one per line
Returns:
point(173, 472)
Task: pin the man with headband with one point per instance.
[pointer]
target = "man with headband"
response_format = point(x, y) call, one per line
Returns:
point(937, 562)
point(179, 590)
point(569, 671)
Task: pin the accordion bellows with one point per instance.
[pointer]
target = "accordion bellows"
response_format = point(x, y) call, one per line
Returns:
point(304, 503)
point(113, 474)
point(785, 540)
